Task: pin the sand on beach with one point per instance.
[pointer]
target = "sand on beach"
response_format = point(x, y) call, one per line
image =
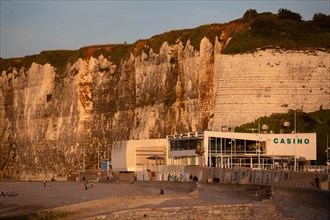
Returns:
point(108, 197)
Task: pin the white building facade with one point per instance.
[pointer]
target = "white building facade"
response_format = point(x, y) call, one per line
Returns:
point(217, 149)
point(130, 155)
point(260, 151)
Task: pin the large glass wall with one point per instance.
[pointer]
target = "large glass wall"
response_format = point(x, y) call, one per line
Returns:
point(227, 152)
point(186, 151)
point(188, 144)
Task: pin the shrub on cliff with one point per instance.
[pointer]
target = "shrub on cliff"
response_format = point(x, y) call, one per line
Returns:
point(289, 15)
point(322, 20)
point(250, 14)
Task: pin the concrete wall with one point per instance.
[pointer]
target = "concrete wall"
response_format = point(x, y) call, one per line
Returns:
point(122, 156)
point(241, 175)
point(261, 83)
point(287, 203)
point(224, 212)
point(126, 155)
point(302, 204)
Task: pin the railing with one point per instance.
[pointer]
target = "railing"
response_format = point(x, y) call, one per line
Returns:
point(315, 168)
point(241, 175)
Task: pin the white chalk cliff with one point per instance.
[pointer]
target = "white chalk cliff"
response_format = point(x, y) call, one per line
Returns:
point(49, 121)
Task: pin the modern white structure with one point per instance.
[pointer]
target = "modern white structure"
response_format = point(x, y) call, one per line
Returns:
point(260, 151)
point(132, 154)
point(217, 149)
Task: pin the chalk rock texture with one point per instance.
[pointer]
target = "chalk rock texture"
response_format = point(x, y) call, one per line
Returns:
point(58, 123)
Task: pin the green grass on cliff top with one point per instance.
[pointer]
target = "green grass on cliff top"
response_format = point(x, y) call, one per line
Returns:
point(268, 29)
point(250, 32)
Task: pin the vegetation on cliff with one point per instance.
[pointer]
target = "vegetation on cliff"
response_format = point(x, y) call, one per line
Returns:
point(314, 122)
point(285, 29)
point(172, 37)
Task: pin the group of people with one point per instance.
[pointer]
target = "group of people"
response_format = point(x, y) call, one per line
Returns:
point(193, 178)
point(45, 181)
point(9, 194)
point(215, 179)
point(173, 177)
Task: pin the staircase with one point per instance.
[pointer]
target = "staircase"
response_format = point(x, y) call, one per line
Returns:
point(266, 210)
point(258, 193)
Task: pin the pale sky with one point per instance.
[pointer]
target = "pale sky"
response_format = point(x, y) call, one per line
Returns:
point(28, 27)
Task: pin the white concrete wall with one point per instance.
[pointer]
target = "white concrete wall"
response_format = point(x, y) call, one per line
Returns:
point(119, 156)
point(124, 153)
point(258, 84)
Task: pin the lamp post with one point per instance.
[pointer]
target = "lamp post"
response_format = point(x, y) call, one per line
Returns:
point(230, 159)
point(328, 159)
point(108, 162)
point(259, 144)
point(98, 156)
point(84, 159)
point(231, 153)
point(210, 152)
point(259, 165)
point(235, 150)
point(295, 146)
point(221, 156)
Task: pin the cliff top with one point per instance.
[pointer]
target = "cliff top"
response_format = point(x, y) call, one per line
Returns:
point(283, 30)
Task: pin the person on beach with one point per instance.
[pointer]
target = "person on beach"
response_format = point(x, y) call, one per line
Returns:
point(133, 179)
point(317, 182)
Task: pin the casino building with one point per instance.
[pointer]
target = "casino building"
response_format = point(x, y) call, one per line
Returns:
point(218, 149)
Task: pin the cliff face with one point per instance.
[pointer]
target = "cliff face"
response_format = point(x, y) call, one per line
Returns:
point(50, 120)
point(59, 123)
point(258, 84)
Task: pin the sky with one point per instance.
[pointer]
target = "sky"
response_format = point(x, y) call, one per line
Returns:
point(28, 27)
